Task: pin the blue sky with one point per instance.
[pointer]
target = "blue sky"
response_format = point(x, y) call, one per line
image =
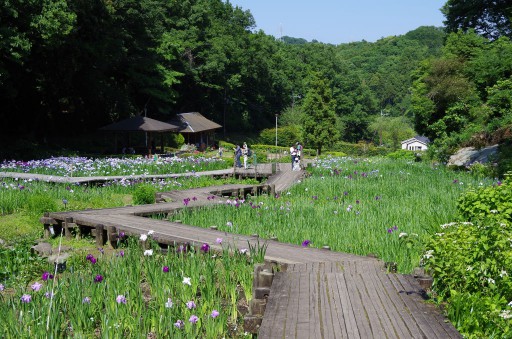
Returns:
point(342, 21)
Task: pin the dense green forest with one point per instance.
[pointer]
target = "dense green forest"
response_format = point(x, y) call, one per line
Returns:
point(70, 67)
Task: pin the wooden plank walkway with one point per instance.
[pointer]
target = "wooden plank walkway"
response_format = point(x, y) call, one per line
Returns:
point(259, 171)
point(349, 299)
point(315, 293)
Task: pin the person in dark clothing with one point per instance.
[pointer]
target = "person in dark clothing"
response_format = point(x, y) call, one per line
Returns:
point(238, 154)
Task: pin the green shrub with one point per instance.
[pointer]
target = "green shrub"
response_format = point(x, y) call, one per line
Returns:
point(482, 170)
point(333, 154)
point(402, 154)
point(37, 204)
point(226, 145)
point(360, 149)
point(144, 194)
point(469, 263)
point(505, 158)
point(286, 136)
point(485, 201)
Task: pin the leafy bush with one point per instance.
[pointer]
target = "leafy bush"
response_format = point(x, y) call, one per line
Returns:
point(485, 201)
point(360, 149)
point(226, 145)
point(505, 158)
point(144, 194)
point(468, 262)
point(286, 136)
point(480, 170)
point(402, 154)
point(38, 204)
point(333, 154)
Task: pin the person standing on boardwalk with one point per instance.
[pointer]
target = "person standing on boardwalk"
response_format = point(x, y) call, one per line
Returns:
point(298, 148)
point(238, 153)
point(245, 153)
point(293, 154)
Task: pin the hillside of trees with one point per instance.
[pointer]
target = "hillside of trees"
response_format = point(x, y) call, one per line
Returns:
point(70, 67)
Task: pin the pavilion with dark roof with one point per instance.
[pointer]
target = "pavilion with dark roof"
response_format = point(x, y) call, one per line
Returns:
point(196, 128)
point(140, 124)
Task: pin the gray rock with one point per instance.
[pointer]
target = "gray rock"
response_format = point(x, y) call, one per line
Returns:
point(43, 249)
point(63, 249)
point(469, 155)
point(58, 259)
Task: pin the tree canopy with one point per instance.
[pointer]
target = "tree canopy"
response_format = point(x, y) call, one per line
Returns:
point(73, 66)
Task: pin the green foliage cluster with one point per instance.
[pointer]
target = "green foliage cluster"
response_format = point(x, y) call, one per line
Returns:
point(402, 154)
point(184, 292)
point(19, 264)
point(471, 263)
point(144, 194)
point(505, 161)
point(487, 201)
point(463, 97)
point(363, 199)
point(83, 65)
point(40, 203)
point(360, 149)
point(286, 136)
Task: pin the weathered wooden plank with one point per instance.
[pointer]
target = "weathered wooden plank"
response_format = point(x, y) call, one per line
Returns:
point(305, 308)
point(292, 309)
point(382, 306)
point(437, 321)
point(398, 314)
point(414, 304)
point(274, 320)
point(357, 303)
point(334, 324)
point(314, 313)
point(346, 309)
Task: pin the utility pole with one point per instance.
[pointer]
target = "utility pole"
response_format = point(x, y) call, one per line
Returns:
point(276, 128)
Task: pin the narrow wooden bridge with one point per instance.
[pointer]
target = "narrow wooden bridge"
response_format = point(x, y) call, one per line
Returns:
point(300, 292)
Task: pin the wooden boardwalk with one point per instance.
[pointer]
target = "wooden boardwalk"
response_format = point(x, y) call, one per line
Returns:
point(313, 293)
point(258, 171)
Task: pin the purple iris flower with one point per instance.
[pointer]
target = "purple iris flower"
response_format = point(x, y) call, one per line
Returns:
point(306, 243)
point(26, 298)
point(193, 319)
point(205, 248)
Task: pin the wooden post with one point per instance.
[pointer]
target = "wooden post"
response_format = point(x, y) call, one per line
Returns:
point(46, 226)
point(112, 236)
point(273, 190)
point(100, 237)
point(67, 228)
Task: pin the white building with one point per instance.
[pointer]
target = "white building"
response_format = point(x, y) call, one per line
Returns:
point(418, 143)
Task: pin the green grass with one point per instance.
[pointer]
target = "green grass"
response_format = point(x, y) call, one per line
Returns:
point(358, 207)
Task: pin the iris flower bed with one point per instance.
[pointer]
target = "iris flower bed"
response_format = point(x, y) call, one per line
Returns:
point(375, 206)
point(87, 167)
point(134, 293)
point(23, 201)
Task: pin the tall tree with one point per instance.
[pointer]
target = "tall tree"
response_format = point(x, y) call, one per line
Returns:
point(491, 18)
point(319, 119)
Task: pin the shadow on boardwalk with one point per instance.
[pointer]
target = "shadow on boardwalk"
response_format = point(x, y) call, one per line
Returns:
point(299, 292)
